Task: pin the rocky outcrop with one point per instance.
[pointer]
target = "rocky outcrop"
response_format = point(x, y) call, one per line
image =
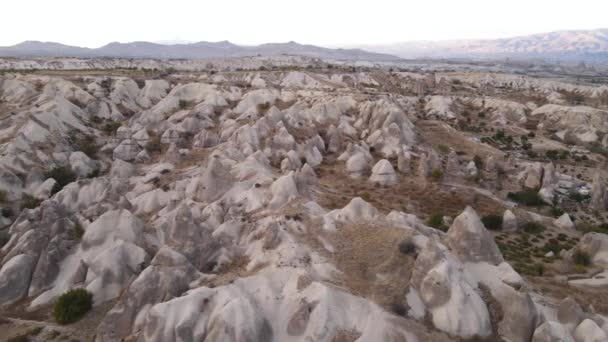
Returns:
point(599, 194)
point(534, 176)
point(246, 225)
point(383, 173)
point(454, 304)
point(596, 246)
point(15, 277)
point(509, 221)
point(564, 222)
point(589, 331)
point(470, 241)
point(552, 331)
point(166, 278)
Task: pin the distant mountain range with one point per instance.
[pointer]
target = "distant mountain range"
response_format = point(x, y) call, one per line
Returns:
point(588, 46)
point(200, 50)
point(579, 45)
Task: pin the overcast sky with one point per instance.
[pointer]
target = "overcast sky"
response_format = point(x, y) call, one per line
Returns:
point(320, 22)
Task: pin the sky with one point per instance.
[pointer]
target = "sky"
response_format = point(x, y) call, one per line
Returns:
point(328, 23)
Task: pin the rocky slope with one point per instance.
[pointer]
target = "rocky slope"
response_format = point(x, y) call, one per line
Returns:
point(315, 203)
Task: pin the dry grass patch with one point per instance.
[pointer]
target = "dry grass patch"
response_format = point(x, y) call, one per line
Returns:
point(410, 194)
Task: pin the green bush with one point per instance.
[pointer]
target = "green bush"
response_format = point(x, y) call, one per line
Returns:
point(443, 149)
point(2, 196)
point(577, 197)
point(436, 221)
point(587, 227)
point(492, 222)
point(538, 269)
point(557, 212)
point(552, 154)
point(87, 146)
point(527, 197)
point(478, 162)
point(110, 128)
point(531, 153)
point(4, 238)
point(263, 107)
point(581, 258)
point(407, 246)
point(437, 174)
point(77, 231)
point(29, 202)
point(72, 305)
point(183, 104)
point(94, 174)
point(63, 175)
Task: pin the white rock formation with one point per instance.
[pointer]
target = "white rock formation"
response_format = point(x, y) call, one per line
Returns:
point(383, 173)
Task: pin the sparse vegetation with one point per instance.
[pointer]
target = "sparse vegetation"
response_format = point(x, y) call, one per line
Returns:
point(111, 127)
point(538, 269)
point(581, 258)
point(87, 146)
point(572, 97)
point(154, 145)
point(26, 336)
point(533, 227)
point(577, 196)
point(72, 305)
point(527, 197)
point(587, 227)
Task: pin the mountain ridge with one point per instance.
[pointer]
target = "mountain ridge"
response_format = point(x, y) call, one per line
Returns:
point(198, 50)
point(586, 45)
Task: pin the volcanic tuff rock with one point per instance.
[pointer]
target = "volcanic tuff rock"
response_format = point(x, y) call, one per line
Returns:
point(298, 202)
